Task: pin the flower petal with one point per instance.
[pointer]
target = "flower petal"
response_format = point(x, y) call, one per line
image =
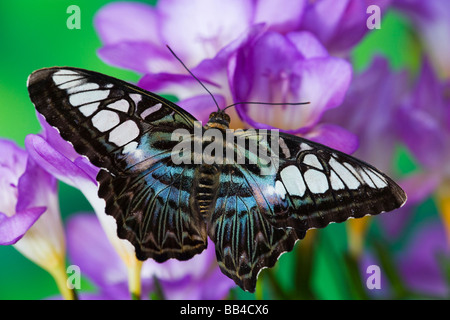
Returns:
point(281, 17)
point(307, 44)
point(423, 136)
point(339, 25)
point(180, 85)
point(89, 249)
point(13, 228)
point(419, 264)
point(202, 28)
point(334, 137)
point(142, 57)
point(124, 21)
point(324, 83)
point(55, 162)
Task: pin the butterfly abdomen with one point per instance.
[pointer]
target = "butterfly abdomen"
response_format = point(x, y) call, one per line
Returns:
point(205, 188)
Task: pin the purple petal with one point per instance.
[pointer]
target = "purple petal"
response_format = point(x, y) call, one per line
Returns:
point(419, 264)
point(272, 70)
point(89, 248)
point(334, 137)
point(124, 21)
point(56, 163)
point(52, 136)
point(420, 186)
point(367, 260)
point(280, 17)
point(197, 278)
point(18, 207)
point(339, 25)
point(307, 44)
point(12, 229)
point(423, 136)
point(324, 82)
point(431, 20)
point(202, 28)
point(13, 158)
point(142, 57)
point(180, 85)
point(323, 17)
point(369, 111)
point(34, 187)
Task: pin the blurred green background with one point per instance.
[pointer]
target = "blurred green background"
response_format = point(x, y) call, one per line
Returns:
point(34, 35)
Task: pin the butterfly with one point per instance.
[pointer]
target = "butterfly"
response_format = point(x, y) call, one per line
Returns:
point(168, 209)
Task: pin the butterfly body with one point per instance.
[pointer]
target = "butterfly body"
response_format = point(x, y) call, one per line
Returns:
point(168, 200)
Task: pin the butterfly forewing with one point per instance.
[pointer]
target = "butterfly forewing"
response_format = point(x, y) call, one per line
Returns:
point(321, 185)
point(119, 126)
point(127, 131)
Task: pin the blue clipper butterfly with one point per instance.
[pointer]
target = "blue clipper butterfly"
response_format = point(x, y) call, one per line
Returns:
point(167, 210)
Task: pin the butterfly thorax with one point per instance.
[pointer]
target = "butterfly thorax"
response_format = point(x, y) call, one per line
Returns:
point(219, 120)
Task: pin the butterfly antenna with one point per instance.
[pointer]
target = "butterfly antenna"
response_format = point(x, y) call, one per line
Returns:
point(218, 108)
point(268, 103)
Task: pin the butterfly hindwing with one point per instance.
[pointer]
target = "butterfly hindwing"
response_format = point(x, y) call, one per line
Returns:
point(245, 240)
point(152, 210)
point(127, 131)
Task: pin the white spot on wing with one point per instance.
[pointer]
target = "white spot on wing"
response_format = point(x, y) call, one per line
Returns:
point(80, 88)
point(70, 84)
point(366, 178)
point(336, 182)
point(284, 148)
point(380, 183)
point(120, 105)
point(80, 98)
point(105, 120)
point(136, 98)
point(130, 147)
point(150, 110)
point(63, 76)
point(352, 170)
point(344, 174)
point(279, 189)
point(293, 180)
point(312, 160)
point(124, 133)
point(305, 146)
point(89, 109)
point(317, 181)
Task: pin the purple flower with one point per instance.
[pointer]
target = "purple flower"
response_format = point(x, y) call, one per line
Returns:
point(419, 262)
point(135, 35)
point(288, 69)
point(424, 125)
point(60, 159)
point(425, 129)
point(339, 25)
point(198, 278)
point(18, 208)
point(369, 111)
point(431, 21)
point(29, 213)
